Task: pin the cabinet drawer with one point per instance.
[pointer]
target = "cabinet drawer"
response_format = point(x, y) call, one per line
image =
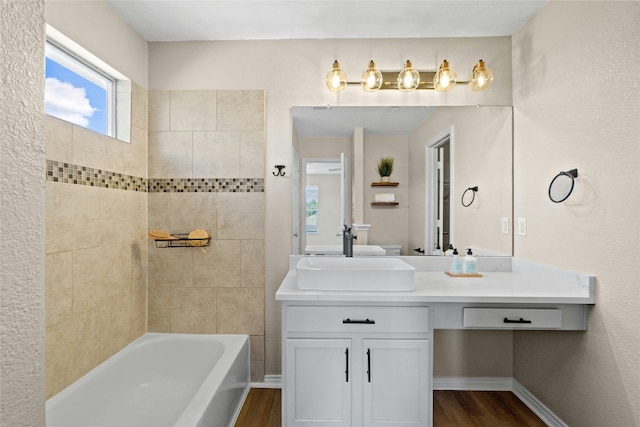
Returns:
point(512, 318)
point(357, 319)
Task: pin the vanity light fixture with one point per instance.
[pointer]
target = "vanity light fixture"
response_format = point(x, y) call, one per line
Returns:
point(371, 78)
point(409, 78)
point(336, 78)
point(481, 77)
point(445, 78)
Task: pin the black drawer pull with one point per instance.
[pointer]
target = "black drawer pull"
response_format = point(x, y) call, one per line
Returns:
point(521, 320)
point(359, 322)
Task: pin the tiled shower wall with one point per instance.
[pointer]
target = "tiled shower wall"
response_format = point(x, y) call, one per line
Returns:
point(96, 244)
point(206, 171)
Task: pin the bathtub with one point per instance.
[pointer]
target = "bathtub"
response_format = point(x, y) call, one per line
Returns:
point(158, 380)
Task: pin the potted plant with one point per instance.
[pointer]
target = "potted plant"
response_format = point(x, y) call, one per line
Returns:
point(385, 168)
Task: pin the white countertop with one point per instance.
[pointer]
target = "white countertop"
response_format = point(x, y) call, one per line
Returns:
point(527, 283)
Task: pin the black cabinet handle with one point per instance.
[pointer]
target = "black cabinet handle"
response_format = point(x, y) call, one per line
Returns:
point(346, 371)
point(521, 320)
point(359, 322)
point(369, 365)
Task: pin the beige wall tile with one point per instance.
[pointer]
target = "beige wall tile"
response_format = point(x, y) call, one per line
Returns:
point(159, 110)
point(252, 154)
point(193, 110)
point(170, 155)
point(252, 263)
point(139, 97)
point(97, 151)
point(218, 265)
point(159, 309)
point(257, 347)
point(72, 217)
point(241, 216)
point(134, 154)
point(241, 311)
point(193, 310)
point(123, 215)
point(58, 287)
point(99, 275)
point(190, 211)
point(159, 211)
point(257, 371)
point(59, 136)
point(240, 110)
point(170, 267)
point(216, 154)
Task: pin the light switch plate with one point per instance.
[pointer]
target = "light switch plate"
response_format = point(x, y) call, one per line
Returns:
point(522, 226)
point(504, 225)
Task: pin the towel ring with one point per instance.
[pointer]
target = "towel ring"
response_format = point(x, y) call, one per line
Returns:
point(473, 196)
point(562, 185)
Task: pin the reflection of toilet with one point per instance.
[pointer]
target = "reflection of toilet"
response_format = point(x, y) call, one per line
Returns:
point(392, 250)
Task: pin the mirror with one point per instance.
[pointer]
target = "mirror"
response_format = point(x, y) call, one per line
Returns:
point(429, 209)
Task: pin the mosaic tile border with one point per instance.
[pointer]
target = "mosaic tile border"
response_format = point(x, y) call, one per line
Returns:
point(69, 173)
point(206, 185)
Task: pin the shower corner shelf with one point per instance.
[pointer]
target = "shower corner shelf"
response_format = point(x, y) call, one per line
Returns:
point(182, 241)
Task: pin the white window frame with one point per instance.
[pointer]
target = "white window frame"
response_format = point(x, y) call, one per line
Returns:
point(71, 55)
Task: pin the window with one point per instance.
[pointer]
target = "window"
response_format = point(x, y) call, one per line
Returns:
point(83, 90)
point(78, 93)
point(312, 209)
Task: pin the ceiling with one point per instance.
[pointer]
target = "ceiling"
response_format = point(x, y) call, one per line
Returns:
point(189, 20)
point(182, 20)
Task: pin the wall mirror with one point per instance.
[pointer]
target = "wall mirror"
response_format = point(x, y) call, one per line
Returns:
point(439, 152)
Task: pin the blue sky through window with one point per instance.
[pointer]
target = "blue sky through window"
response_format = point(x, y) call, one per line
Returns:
point(75, 99)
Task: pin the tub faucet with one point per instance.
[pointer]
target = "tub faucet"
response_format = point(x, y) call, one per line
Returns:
point(347, 242)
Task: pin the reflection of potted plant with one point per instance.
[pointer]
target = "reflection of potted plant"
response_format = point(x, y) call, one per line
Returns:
point(385, 168)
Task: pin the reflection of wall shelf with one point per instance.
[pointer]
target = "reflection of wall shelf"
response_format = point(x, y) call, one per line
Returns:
point(385, 184)
point(182, 241)
point(384, 203)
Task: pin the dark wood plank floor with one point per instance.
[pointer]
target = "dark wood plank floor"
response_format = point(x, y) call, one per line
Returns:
point(450, 409)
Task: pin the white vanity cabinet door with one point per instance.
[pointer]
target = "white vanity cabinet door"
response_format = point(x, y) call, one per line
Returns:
point(318, 382)
point(396, 382)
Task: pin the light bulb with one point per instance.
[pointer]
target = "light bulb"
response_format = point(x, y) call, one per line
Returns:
point(336, 79)
point(408, 78)
point(481, 77)
point(371, 78)
point(445, 78)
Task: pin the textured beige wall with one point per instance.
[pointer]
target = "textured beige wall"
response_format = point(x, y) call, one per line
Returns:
point(96, 246)
point(210, 135)
point(576, 103)
point(21, 213)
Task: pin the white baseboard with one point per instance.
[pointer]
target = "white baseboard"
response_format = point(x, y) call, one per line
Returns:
point(501, 384)
point(539, 408)
point(473, 383)
point(270, 381)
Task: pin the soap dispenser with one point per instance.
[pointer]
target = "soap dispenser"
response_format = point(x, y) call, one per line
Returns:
point(456, 263)
point(449, 252)
point(469, 264)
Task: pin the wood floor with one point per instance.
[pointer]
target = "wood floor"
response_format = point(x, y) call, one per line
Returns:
point(450, 409)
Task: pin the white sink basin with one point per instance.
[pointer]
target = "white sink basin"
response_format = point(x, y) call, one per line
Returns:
point(354, 274)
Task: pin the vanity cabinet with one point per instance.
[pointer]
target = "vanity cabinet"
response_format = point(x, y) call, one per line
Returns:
point(357, 365)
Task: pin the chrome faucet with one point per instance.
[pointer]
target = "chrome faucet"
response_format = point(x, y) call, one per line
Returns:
point(347, 241)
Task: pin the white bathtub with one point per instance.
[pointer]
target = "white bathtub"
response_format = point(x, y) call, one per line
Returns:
point(172, 380)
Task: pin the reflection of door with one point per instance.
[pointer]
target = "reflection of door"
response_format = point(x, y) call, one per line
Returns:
point(322, 200)
point(443, 202)
point(438, 190)
point(295, 211)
